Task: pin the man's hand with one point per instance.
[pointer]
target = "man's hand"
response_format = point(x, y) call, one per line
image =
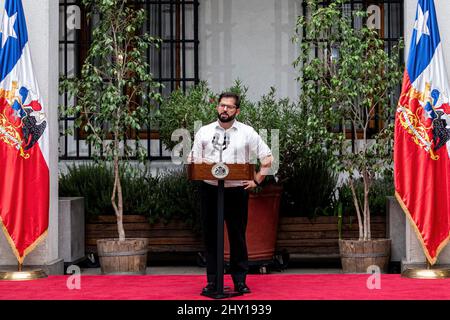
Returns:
point(249, 184)
point(266, 165)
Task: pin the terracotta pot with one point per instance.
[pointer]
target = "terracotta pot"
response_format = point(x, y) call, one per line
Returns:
point(262, 226)
point(358, 255)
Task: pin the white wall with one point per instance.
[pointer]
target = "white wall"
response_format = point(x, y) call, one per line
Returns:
point(249, 40)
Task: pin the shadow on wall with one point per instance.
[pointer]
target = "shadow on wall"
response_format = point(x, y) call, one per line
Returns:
point(286, 13)
point(217, 35)
point(249, 40)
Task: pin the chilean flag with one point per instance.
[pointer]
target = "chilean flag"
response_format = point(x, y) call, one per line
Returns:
point(24, 139)
point(422, 136)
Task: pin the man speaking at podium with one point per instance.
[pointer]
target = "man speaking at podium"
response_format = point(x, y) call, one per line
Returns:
point(238, 142)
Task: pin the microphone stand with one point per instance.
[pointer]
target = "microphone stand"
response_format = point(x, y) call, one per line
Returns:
point(220, 293)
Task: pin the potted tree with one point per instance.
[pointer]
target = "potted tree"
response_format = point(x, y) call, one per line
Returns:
point(351, 82)
point(113, 95)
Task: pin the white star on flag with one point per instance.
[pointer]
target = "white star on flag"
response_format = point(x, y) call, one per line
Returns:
point(7, 27)
point(421, 24)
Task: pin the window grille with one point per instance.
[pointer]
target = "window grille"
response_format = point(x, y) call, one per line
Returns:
point(175, 64)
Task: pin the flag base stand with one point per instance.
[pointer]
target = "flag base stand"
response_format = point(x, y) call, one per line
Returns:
point(22, 275)
point(427, 273)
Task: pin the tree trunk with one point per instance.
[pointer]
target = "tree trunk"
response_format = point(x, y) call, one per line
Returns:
point(118, 207)
point(358, 211)
point(120, 196)
point(367, 233)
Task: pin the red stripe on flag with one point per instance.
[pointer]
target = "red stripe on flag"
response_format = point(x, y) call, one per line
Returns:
point(24, 202)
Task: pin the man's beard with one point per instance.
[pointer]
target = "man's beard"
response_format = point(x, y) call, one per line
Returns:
point(229, 119)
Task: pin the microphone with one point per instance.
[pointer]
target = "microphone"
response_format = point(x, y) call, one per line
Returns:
point(226, 141)
point(215, 139)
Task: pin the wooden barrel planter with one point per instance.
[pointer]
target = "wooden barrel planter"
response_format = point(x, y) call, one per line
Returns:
point(262, 225)
point(358, 255)
point(123, 257)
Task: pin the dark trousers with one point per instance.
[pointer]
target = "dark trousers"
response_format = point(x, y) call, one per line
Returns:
point(236, 216)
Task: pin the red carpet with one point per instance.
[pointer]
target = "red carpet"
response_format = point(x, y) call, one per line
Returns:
point(264, 287)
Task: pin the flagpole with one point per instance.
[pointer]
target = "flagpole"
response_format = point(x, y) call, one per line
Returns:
point(424, 75)
point(26, 160)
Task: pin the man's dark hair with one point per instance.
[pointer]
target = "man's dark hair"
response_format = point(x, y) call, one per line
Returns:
point(236, 97)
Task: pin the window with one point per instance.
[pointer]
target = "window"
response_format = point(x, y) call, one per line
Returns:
point(175, 64)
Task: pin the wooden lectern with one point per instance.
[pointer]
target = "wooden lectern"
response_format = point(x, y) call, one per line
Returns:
point(220, 172)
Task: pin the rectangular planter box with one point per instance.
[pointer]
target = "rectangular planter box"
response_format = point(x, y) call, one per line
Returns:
point(175, 236)
point(300, 236)
point(71, 229)
point(318, 237)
